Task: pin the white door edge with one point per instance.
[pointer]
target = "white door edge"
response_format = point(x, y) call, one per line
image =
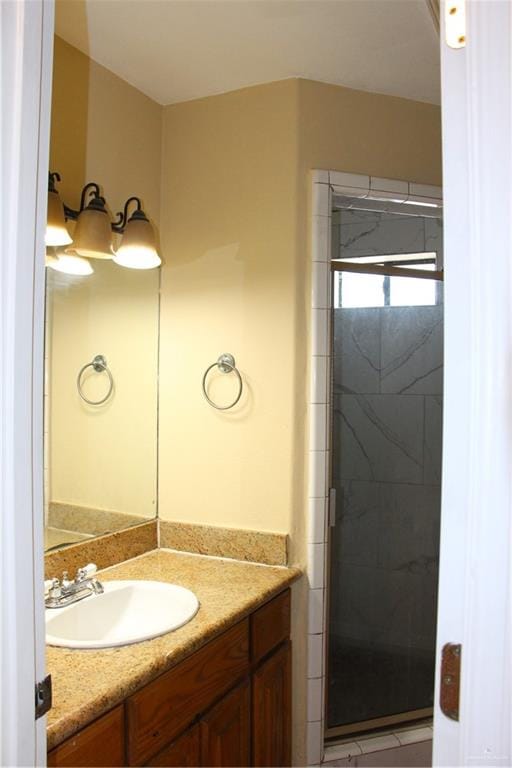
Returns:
point(476, 546)
point(26, 52)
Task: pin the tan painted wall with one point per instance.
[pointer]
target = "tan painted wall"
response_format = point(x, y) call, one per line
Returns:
point(104, 130)
point(234, 234)
point(236, 279)
point(228, 285)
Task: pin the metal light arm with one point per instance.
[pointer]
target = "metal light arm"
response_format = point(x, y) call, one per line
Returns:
point(92, 191)
point(122, 216)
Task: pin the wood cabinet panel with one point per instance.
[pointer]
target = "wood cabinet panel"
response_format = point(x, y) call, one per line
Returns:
point(271, 710)
point(164, 708)
point(270, 625)
point(99, 744)
point(225, 730)
point(184, 752)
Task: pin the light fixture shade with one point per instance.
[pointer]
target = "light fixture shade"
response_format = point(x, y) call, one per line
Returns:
point(93, 234)
point(56, 231)
point(71, 264)
point(138, 248)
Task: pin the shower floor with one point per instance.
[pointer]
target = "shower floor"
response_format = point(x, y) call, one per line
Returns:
point(373, 682)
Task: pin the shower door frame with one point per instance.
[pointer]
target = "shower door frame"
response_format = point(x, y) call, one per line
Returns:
point(410, 716)
point(324, 186)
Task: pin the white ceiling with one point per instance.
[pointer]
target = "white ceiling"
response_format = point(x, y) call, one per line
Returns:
point(176, 50)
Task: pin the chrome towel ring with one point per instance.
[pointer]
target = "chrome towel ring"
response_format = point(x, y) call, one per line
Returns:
point(99, 363)
point(225, 364)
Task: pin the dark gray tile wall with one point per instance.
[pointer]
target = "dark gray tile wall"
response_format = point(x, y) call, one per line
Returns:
point(387, 431)
point(372, 233)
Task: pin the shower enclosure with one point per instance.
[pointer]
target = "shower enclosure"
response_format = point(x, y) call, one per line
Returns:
point(386, 418)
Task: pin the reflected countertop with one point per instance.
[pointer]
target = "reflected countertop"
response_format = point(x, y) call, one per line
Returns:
point(87, 683)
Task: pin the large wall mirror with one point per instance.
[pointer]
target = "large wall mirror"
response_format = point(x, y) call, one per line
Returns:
point(100, 460)
point(103, 208)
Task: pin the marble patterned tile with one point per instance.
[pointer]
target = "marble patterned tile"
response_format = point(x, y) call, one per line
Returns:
point(408, 535)
point(355, 535)
point(372, 606)
point(433, 439)
point(422, 632)
point(355, 216)
point(434, 237)
point(356, 360)
point(384, 236)
point(412, 350)
point(380, 437)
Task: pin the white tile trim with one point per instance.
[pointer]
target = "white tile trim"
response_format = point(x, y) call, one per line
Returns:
point(314, 737)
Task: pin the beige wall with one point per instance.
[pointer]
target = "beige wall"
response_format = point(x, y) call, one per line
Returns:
point(234, 235)
point(229, 285)
point(236, 279)
point(104, 130)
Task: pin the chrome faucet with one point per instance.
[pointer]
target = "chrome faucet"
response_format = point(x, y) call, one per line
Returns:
point(62, 592)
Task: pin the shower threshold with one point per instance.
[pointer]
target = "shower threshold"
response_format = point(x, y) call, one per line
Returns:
point(417, 717)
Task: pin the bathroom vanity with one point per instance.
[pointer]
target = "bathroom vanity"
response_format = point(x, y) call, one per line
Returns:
point(226, 703)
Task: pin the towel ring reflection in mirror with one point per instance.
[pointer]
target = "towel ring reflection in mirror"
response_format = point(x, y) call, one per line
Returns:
point(225, 364)
point(99, 363)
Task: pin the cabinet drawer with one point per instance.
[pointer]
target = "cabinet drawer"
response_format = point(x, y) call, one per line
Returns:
point(270, 625)
point(164, 708)
point(99, 744)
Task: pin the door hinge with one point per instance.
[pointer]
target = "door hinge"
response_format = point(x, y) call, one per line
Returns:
point(43, 696)
point(450, 680)
point(455, 23)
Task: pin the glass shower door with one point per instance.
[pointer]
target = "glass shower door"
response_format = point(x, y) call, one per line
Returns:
point(386, 470)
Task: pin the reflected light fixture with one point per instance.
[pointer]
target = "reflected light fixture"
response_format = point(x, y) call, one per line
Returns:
point(56, 231)
point(137, 249)
point(93, 233)
point(68, 263)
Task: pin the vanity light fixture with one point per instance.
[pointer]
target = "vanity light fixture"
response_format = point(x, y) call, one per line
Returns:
point(137, 249)
point(93, 233)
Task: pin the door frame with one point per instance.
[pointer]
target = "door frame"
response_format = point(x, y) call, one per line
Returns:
point(26, 65)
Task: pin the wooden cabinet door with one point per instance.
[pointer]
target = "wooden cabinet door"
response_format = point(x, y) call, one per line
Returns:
point(271, 710)
point(182, 753)
point(163, 709)
point(99, 744)
point(225, 730)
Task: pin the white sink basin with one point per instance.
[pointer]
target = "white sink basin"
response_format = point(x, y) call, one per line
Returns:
point(127, 612)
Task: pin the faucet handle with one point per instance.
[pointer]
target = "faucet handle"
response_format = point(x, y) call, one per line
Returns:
point(86, 572)
point(65, 582)
point(52, 588)
point(49, 584)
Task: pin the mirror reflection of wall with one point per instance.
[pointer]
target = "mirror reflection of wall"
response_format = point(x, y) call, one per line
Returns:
point(101, 458)
point(101, 461)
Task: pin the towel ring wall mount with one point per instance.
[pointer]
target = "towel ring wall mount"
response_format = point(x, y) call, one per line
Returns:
point(225, 364)
point(99, 363)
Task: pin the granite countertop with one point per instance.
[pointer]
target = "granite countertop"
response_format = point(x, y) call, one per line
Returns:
point(87, 683)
